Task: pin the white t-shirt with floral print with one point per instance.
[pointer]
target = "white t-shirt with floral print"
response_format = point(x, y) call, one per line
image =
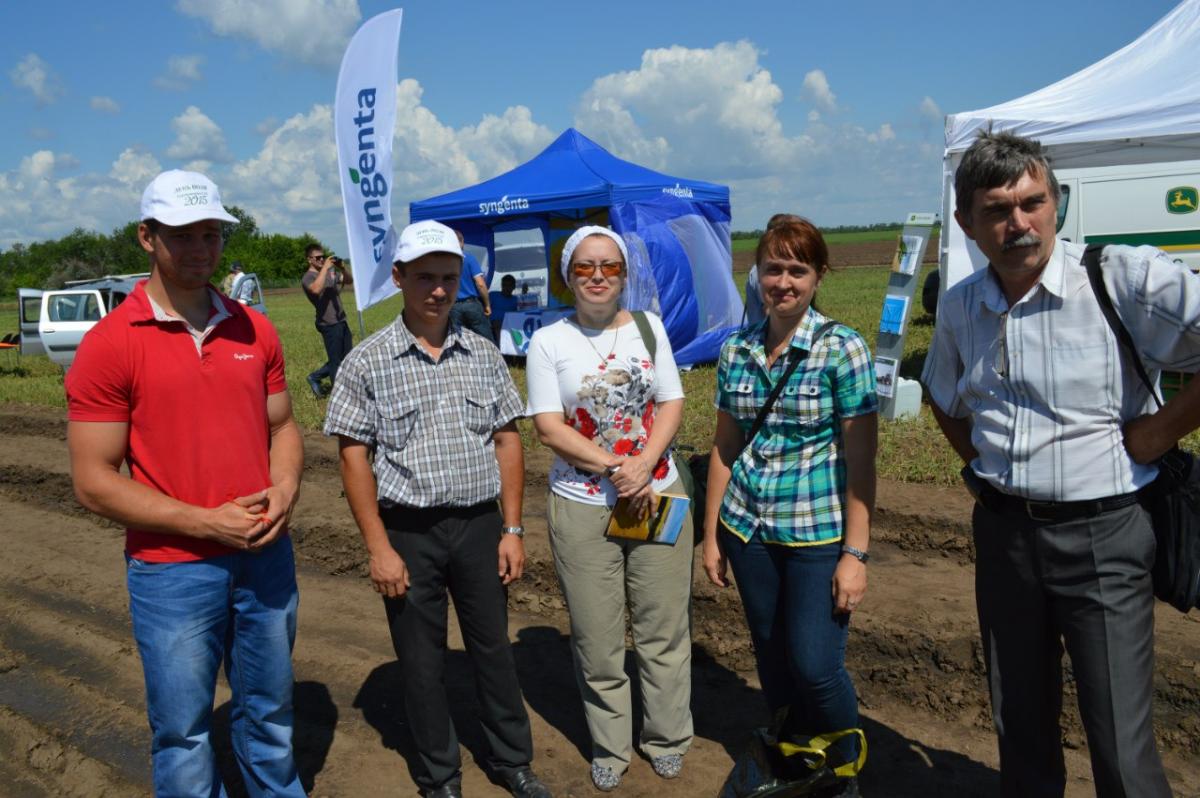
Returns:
point(607, 388)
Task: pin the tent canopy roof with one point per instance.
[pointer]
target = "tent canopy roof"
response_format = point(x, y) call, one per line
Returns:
point(1145, 94)
point(574, 172)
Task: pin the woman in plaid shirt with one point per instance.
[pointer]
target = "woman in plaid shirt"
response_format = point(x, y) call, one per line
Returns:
point(790, 511)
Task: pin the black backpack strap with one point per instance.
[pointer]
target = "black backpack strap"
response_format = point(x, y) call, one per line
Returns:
point(1091, 262)
point(646, 331)
point(761, 418)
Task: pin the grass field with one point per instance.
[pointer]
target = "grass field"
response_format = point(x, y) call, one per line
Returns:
point(831, 238)
point(910, 451)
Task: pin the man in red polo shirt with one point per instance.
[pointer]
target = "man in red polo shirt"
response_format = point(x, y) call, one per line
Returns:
point(187, 388)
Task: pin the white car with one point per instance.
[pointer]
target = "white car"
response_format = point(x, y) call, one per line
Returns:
point(54, 322)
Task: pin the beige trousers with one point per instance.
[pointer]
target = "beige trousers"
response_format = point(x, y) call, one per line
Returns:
point(598, 577)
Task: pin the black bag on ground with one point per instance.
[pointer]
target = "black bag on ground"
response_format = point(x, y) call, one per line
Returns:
point(1173, 499)
point(768, 768)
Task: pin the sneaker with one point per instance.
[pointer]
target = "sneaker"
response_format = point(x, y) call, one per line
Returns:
point(667, 766)
point(315, 385)
point(604, 778)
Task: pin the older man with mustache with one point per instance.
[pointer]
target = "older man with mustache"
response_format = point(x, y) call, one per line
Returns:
point(1029, 385)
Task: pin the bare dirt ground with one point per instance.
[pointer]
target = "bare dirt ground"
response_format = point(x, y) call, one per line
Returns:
point(72, 719)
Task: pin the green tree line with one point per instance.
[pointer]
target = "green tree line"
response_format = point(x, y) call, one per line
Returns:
point(83, 254)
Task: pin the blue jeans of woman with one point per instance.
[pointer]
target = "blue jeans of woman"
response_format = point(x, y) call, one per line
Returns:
point(187, 618)
point(799, 643)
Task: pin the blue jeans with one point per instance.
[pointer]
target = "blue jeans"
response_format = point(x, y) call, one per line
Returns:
point(338, 343)
point(187, 617)
point(799, 643)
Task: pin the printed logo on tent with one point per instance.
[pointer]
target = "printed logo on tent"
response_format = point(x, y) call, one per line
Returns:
point(1182, 199)
point(503, 206)
point(683, 192)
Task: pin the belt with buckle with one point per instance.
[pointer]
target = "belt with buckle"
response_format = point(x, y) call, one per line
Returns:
point(1038, 510)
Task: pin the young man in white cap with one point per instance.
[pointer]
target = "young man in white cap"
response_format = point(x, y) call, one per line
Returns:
point(157, 384)
point(436, 406)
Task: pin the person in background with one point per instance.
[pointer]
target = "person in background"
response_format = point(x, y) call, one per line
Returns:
point(235, 271)
point(1032, 390)
point(790, 511)
point(472, 304)
point(502, 302)
point(425, 415)
point(609, 407)
point(163, 384)
point(323, 280)
point(756, 312)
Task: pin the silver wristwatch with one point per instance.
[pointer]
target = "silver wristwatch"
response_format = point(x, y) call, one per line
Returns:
point(519, 531)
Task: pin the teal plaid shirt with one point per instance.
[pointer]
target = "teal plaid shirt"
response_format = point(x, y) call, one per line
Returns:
point(789, 484)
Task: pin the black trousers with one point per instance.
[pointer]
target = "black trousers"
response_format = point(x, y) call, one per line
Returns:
point(338, 343)
point(1084, 583)
point(453, 550)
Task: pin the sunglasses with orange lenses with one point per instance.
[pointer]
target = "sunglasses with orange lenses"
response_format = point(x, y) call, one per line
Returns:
point(609, 268)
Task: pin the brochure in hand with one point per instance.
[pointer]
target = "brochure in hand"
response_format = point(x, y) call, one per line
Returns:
point(663, 524)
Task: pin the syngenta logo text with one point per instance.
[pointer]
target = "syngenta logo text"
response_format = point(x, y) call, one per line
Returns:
point(503, 206)
point(372, 184)
point(683, 192)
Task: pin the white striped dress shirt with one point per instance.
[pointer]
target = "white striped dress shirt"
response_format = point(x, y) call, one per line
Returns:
point(1044, 383)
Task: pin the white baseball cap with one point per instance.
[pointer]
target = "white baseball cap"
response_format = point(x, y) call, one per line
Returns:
point(421, 238)
point(176, 198)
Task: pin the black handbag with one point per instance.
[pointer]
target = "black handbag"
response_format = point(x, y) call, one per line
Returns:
point(1173, 499)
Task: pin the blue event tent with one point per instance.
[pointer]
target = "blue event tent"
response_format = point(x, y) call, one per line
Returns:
point(676, 230)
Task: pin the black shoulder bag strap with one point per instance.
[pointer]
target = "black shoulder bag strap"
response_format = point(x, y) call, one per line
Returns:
point(648, 338)
point(1091, 262)
point(761, 418)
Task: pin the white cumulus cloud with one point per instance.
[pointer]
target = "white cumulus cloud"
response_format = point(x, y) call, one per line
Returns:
point(816, 90)
point(41, 201)
point(35, 76)
point(197, 138)
point(182, 71)
point(309, 31)
point(699, 110)
point(105, 105)
point(929, 109)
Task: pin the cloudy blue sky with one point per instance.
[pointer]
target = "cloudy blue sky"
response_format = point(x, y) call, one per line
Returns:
point(830, 109)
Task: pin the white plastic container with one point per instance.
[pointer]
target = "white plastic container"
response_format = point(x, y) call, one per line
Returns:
point(908, 398)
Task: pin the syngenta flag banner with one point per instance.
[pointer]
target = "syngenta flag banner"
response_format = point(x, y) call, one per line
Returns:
point(364, 118)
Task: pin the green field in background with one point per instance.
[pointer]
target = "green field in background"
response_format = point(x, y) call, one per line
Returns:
point(912, 451)
point(831, 238)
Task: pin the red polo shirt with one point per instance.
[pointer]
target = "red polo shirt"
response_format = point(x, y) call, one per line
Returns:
point(198, 428)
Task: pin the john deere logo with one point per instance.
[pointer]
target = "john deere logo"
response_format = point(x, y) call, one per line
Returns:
point(1182, 199)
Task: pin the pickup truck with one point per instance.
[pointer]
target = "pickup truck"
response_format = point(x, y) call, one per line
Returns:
point(54, 322)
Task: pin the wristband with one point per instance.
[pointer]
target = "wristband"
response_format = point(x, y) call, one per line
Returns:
point(857, 554)
point(519, 531)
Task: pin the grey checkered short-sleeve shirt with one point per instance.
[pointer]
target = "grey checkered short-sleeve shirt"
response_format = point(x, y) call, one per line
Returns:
point(430, 423)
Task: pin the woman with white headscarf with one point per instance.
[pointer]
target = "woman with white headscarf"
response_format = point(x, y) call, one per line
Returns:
point(609, 407)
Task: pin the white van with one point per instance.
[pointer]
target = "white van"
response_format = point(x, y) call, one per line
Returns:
point(1153, 204)
point(54, 322)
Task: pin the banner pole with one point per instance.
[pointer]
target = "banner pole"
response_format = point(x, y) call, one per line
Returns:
point(362, 329)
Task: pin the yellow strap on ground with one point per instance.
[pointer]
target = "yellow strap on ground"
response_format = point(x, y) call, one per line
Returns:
point(816, 749)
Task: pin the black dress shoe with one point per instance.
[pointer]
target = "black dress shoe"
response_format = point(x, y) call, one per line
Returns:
point(315, 386)
point(523, 784)
point(449, 790)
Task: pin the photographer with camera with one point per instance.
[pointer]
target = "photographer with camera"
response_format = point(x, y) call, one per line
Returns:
point(323, 281)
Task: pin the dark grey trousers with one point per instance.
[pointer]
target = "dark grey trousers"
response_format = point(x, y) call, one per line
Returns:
point(1084, 583)
point(453, 550)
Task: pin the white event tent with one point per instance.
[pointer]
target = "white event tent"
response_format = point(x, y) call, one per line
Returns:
point(1141, 104)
